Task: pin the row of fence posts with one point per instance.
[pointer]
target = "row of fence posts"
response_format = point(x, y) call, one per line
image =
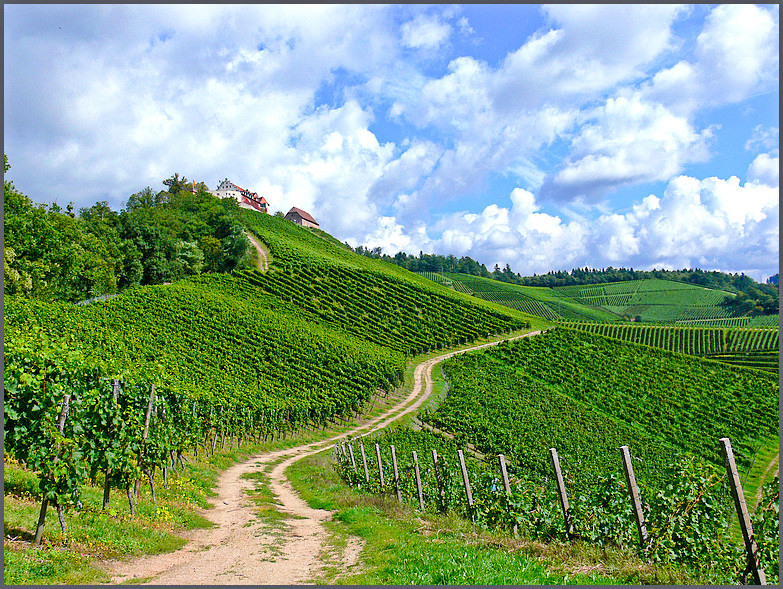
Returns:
point(633, 490)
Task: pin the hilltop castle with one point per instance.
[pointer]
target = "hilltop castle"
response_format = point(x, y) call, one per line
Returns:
point(245, 198)
point(251, 200)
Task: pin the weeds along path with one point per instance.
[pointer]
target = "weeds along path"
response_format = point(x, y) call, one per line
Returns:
point(242, 548)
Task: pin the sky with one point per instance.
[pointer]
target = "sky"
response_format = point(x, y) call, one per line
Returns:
point(546, 137)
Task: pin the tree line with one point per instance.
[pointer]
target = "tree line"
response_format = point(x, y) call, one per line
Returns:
point(61, 254)
point(752, 297)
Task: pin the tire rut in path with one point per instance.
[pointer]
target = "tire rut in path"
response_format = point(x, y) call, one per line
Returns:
point(263, 260)
point(240, 548)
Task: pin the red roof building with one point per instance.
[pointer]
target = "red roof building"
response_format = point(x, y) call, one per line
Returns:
point(245, 198)
point(301, 217)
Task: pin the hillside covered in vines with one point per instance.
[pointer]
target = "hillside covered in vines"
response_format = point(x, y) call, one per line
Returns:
point(587, 395)
point(311, 340)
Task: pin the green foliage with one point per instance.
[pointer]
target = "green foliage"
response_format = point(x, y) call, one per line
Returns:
point(687, 519)
point(544, 302)
point(48, 383)
point(686, 402)
point(375, 307)
point(159, 237)
point(653, 300)
point(223, 342)
point(51, 256)
point(501, 409)
point(752, 348)
point(766, 529)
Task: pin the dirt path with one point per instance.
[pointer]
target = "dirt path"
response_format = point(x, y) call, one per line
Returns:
point(241, 549)
point(263, 260)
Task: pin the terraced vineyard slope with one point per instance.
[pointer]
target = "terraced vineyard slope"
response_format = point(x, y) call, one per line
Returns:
point(586, 395)
point(751, 348)
point(649, 300)
point(540, 301)
point(654, 300)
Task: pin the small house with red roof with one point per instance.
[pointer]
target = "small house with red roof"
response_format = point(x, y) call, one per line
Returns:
point(301, 217)
point(245, 198)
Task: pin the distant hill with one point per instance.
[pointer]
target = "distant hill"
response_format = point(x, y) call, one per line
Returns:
point(753, 298)
point(649, 300)
point(544, 302)
point(654, 300)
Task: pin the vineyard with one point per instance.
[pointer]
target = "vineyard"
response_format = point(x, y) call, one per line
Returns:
point(112, 392)
point(649, 399)
point(758, 321)
point(425, 470)
point(654, 300)
point(752, 348)
point(217, 356)
point(389, 312)
point(650, 300)
point(587, 395)
point(538, 301)
point(204, 338)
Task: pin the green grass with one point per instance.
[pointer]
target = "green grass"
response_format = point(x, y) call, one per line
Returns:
point(264, 499)
point(403, 546)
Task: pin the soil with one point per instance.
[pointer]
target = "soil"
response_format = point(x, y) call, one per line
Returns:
point(263, 260)
point(243, 549)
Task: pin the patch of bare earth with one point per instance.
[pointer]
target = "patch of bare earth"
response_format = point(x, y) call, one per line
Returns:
point(263, 259)
point(242, 548)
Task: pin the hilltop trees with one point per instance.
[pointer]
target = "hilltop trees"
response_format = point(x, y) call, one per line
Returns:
point(49, 255)
point(158, 237)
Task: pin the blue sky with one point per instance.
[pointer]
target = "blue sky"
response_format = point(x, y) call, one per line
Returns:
point(543, 136)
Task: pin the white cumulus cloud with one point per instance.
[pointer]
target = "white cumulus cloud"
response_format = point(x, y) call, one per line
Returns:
point(425, 32)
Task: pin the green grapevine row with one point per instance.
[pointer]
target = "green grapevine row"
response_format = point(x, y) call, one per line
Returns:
point(759, 347)
point(586, 393)
point(376, 307)
point(692, 531)
point(212, 338)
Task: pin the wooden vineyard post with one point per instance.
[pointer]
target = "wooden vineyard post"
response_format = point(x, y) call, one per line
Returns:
point(45, 502)
point(380, 465)
point(418, 479)
point(466, 480)
point(353, 460)
point(742, 512)
point(633, 489)
point(438, 480)
point(506, 484)
point(115, 392)
point(396, 473)
point(364, 462)
point(145, 434)
point(561, 491)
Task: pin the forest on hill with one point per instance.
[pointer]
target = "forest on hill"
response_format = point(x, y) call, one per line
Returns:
point(65, 255)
